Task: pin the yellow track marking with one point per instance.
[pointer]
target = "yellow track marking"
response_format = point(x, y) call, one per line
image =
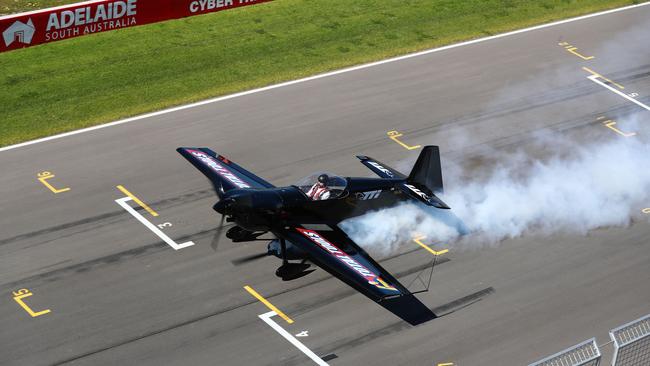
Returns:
point(393, 135)
point(44, 176)
point(268, 304)
point(602, 77)
point(418, 240)
point(20, 295)
point(610, 124)
point(574, 50)
point(137, 200)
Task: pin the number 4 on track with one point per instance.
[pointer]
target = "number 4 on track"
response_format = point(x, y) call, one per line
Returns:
point(304, 333)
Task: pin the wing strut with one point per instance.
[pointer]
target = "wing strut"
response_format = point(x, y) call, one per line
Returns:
point(419, 277)
point(283, 249)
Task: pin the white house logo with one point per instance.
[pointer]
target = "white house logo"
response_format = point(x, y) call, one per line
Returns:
point(19, 32)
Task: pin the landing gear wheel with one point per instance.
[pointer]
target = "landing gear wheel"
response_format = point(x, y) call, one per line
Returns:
point(238, 234)
point(292, 271)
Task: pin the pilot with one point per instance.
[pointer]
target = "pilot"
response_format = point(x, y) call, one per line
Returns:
point(319, 191)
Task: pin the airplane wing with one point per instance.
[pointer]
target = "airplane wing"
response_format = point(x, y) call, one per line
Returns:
point(380, 168)
point(223, 173)
point(332, 250)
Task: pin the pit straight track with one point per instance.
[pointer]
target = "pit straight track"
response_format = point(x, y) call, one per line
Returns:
point(118, 294)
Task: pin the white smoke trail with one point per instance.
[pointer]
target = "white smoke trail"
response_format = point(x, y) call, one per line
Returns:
point(577, 185)
point(593, 186)
point(384, 231)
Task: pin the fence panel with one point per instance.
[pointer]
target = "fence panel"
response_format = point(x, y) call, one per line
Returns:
point(632, 343)
point(586, 353)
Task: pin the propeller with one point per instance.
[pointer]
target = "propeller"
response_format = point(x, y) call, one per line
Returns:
point(217, 234)
point(222, 207)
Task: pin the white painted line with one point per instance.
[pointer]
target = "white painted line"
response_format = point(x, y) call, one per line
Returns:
point(32, 12)
point(319, 76)
point(266, 317)
point(123, 202)
point(595, 80)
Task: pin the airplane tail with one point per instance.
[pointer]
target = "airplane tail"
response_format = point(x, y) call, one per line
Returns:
point(425, 179)
point(427, 171)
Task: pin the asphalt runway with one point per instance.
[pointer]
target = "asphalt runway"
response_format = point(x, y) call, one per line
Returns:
point(118, 295)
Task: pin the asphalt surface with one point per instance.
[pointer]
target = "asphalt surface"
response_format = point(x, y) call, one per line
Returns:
point(118, 295)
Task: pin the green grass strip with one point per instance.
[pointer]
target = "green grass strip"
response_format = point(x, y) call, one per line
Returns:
point(90, 80)
point(19, 6)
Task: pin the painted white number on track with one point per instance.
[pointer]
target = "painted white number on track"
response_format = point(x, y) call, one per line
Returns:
point(167, 224)
point(124, 203)
point(266, 317)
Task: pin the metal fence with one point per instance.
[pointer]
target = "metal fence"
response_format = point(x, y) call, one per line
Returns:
point(582, 354)
point(632, 343)
point(631, 348)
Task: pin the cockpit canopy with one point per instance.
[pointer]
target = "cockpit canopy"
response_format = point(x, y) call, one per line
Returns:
point(335, 184)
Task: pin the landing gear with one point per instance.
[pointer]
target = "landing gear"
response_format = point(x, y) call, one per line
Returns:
point(291, 271)
point(238, 234)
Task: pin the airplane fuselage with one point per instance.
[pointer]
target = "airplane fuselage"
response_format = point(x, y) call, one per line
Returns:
point(269, 208)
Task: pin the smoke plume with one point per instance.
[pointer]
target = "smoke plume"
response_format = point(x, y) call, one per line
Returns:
point(572, 188)
point(574, 181)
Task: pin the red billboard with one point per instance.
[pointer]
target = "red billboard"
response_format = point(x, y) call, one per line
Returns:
point(55, 24)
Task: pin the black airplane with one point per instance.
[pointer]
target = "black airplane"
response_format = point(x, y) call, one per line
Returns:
point(304, 219)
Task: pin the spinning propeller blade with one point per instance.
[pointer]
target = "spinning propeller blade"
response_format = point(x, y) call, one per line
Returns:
point(217, 234)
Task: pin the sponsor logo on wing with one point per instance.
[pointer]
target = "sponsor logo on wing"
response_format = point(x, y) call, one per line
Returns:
point(381, 168)
point(219, 169)
point(371, 195)
point(372, 278)
point(418, 192)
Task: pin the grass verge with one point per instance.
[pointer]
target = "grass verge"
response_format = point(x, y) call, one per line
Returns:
point(99, 78)
point(19, 6)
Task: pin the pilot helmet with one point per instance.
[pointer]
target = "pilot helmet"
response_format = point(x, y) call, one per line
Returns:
point(323, 178)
